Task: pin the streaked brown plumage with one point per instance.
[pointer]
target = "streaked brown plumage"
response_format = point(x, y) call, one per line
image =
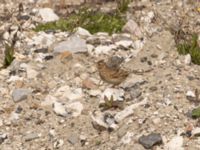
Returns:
point(113, 76)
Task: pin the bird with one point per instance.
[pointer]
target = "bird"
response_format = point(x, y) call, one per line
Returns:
point(113, 76)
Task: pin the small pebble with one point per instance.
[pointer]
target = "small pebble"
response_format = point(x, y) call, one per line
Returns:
point(150, 140)
point(31, 136)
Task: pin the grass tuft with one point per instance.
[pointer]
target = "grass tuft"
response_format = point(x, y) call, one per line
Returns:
point(93, 21)
point(196, 113)
point(122, 5)
point(9, 55)
point(190, 47)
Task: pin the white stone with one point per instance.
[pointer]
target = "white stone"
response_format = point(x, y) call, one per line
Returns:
point(52, 132)
point(127, 138)
point(48, 101)
point(6, 36)
point(78, 65)
point(3, 136)
point(48, 15)
point(128, 111)
point(188, 59)
point(74, 94)
point(132, 80)
point(31, 73)
point(175, 143)
point(167, 101)
point(73, 44)
point(23, 65)
point(19, 56)
point(14, 78)
point(60, 91)
point(138, 44)
point(4, 72)
point(132, 27)
point(14, 116)
point(117, 94)
point(196, 131)
point(75, 107)
point(42, 39)
point(59, 109)
point(71, 94)
point(124, 35)
point(102, 49)
point(124, 43)
point(82, 32)
point(190, 94)
point(156, 121)
point(90, 49)
point(102, 34)
point(150, 15)
point(94, 92)
point(58, 143)
point(98, 120)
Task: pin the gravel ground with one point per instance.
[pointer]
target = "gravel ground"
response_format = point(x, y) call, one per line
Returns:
point(50, 99)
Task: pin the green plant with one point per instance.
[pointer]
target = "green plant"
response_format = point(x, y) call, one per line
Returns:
point(98, 142)
point(93, 21)
point(122, 5)
point(190, 47)
point(196, 113)
point(111, 103)
point(9, 55)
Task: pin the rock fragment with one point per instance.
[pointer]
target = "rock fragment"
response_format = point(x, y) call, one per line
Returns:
point(128, 111)
point(127, 138)
point(190, 95)
point(117, 94)
point(89, 84)
point(3, 137)
point(74, 108)
point(132, 80)
point(48, 15)
point(196, 131)
point(20, 94)
point(132, 27)
point(176, 143)
point(150, 140)
point(31, 136)
point(59, 109)
point(73, 44)
point(104, 49)
point(58, 143)
point(101, 121)
point(124, 44)
point(73, 139)
point(69, 93)
point(82, 32)
point(188, 59)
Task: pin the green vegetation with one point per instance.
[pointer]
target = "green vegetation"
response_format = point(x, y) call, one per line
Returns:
point(122, 5)
point(98, 143)
point(190, 47)
point(196, 113)
point(93, 21)
point(110, 103)
point(9, 55)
